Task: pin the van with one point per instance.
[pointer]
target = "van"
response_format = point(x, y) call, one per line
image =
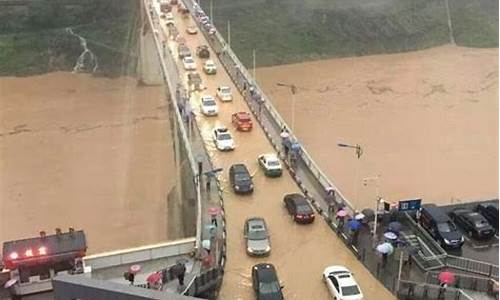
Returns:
point(440, 227)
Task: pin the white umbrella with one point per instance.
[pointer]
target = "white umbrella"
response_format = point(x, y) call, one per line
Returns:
point(385, 248)
point(359, 216)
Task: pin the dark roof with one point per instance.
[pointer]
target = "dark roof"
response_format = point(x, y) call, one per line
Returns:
point(267, 272)
point(436, 213)
point(299, 199)
point(55, 244)
point(240, 168)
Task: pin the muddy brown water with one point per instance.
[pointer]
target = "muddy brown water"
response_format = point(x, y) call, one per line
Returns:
point(92, 153)
point(426, 120)
point(300, 253)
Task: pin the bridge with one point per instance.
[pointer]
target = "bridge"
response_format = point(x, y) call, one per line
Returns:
point(300, 253)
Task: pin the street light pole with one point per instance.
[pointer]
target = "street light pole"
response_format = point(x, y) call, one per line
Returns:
point(212, 11)
point(378, 199)
point(253, 54)
point(229, 33)
point(293, 90)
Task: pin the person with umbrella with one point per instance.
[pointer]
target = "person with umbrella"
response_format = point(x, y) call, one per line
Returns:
point(341, 214)
point(354, 227)
point(179, 270)
point(445, 278)
point(385, 249)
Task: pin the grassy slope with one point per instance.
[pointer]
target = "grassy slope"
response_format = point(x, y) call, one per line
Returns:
point(34, 40)
point(291, 31)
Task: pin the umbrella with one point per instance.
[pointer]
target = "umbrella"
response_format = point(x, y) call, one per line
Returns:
point(154, 278)
point(385, 248)
point(395, 226)
point(213, 211)
point(205, 244)
point(134, 269)
point(390, 235)
point(10, 283)
point(359, 216)
point(446, 277)
point(369, 214)
point(354, 225)
point(342, 213)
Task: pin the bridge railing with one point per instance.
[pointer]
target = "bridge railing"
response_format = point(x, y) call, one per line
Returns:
point(243, 79)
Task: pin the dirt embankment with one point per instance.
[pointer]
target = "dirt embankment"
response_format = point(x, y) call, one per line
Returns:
point(427, 121)
point(92, 153)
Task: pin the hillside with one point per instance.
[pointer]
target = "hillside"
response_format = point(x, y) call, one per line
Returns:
point(292, 31)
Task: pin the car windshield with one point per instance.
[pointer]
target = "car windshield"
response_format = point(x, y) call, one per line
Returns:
point(303, 209)
point(273, 163)
point(209, 102)
point(350, 290)
point(224, 137)
point(225, 90)
point(269, 287)
point(257, 234)
point(241, 177)
point(188, 59)
point(445, 227)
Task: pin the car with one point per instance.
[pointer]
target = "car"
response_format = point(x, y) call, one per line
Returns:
point(202, 51)
point(224, 93)
point(257, 237)
point(271, 164)
point(440, 226)
point(242, 121)
point(188, 63)
point(299, 208)
point(183, 51)
point(240, 179)
point(265, 282)
point(341, 283)
point(490, 212)
point(208, 106)
point(473, 223)
point(209, 67)
point(192, 29)
point(194, 81)
point(223, 139)
point(169, 18)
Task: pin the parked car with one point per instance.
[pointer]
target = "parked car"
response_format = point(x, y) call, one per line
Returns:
point(341, 283)
point(209, 67)
point(169, 18)
point(299, 208)
point(257, 237)
point(202, 51)
point(240, 179)
point(194, 81)
point(265, 282)
point(192, 29)
point(490, 212)
point(271, 164)
point(188, 63)
point(208, 106)
point(183, 51)
point(224, 93)
point(242, 121)
point(223, 139)
point(473, 223)
point(440, 226)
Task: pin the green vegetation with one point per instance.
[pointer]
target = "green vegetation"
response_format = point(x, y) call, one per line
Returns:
point(34, 40)
point(298, 30)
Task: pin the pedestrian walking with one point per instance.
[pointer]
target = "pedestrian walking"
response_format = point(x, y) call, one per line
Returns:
point(214, 220)
point(261, 103)
point(285, 140)
point(179, 270)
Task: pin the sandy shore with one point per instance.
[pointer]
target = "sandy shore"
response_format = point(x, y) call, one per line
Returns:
point(92, 153)
point(427, 121)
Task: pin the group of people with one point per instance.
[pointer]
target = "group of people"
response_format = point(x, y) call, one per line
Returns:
point(165, 275)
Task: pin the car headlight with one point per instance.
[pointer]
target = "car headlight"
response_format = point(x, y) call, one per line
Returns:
point(237, 187)
point(446, 241)
point(268, 248)
point(251, 186)
point(249, 250)
point(462, 239)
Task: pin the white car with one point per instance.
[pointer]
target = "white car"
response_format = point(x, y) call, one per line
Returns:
point(208, 106)
point(223, 139)
point(169, 18)
point(341, 283)
point(209, 67)
point(271, 164)
point(188, 63)
point(224, 93)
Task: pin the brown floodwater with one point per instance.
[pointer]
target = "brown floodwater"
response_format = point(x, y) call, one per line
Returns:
point(91, 153)
point(426, 120)
point(300, 253)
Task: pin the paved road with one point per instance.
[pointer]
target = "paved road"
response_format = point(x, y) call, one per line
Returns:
point(300, 253)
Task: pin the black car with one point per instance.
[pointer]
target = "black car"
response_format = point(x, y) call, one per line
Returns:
point(440, 226)
point(240, 179)
point(265, 282)
point(299, 208)
point(490, 212)
point(202, 51)
point(473, 223)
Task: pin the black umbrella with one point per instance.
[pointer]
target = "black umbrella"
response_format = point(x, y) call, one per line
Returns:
point(369, 215)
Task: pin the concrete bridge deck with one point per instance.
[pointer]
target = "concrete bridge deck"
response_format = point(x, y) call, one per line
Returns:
point(300, 253)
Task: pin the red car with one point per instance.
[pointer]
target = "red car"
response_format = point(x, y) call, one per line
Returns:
point(242, 121)
point(298, 207)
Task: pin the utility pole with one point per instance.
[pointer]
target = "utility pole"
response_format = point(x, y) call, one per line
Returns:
point(212, 12)
point(254, 77)
point(229, 33)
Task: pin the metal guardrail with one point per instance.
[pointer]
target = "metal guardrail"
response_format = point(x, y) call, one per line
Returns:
point(462, 281)
point(171, 77)
point(472, 266)
point(426, 291)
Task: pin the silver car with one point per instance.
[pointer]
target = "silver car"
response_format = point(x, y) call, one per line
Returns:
point(257, 237)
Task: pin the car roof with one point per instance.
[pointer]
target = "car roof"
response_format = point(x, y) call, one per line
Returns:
point(239, 167)
point(270, 156)
point(267, 272)
point(435, 212)
point(297, 198)
point(343, 275)
point(256, 221)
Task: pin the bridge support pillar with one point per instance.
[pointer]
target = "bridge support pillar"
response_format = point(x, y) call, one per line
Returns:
point(148, 67)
